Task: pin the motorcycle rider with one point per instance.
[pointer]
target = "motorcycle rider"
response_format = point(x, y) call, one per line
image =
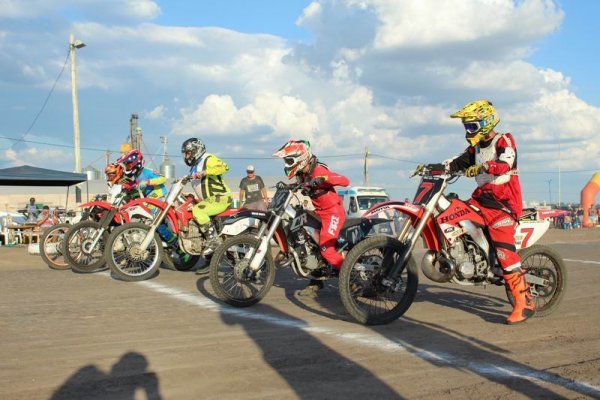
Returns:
point(152, 185)
point(301, 164)
point(207, 172)
point(114, 174)
point(491, 159)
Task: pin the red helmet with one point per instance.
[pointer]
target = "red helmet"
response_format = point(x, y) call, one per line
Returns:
point(114, 173)
point(296, 154)
point(133, 162)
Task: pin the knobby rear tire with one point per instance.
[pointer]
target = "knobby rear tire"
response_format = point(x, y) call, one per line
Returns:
point(545, 305)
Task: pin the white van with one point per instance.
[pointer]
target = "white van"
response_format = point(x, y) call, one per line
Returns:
point(358, 199)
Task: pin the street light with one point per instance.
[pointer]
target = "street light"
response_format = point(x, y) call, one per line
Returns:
point(75, 44)
point(549, 190)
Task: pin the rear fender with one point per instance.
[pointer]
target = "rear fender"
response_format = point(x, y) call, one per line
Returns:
point(415, 213)
point(529, 232)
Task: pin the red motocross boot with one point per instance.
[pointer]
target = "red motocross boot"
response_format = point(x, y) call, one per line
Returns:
point(524, 306)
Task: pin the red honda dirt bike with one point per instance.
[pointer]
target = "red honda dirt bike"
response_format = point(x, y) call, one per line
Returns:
point(83, 245)
point(133, 251)
point(379, 277)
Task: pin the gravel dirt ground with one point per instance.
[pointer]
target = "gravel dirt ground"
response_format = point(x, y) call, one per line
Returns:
point(72, 336)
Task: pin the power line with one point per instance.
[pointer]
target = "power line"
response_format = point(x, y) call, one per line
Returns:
point(395, 159)
point(355, 155)
point(68, 146)
point(43, 105)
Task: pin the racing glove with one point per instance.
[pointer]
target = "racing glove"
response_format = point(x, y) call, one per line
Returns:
point(475, 170)
point(317, 181)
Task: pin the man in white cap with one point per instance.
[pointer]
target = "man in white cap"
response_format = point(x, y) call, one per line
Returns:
point(253, 189)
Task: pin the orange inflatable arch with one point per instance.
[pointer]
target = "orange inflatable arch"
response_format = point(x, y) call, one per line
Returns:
point(588, 197)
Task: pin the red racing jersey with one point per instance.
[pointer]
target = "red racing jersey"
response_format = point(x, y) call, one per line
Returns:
point(324, 196)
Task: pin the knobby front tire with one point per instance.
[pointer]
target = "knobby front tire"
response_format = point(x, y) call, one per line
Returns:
point(230, 275)
point(120, 253)
point(51, 246)
point(364, 297)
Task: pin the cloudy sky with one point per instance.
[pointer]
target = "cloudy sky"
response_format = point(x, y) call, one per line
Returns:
point(246, 76)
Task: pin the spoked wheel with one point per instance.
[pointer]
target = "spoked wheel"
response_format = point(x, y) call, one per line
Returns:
point(549, 279)
point(51, 246)
point(231, 277)
point(127, 261)
point(362, 289)
point(84, 247)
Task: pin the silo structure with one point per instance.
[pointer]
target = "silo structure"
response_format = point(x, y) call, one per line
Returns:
point(167, 169)
point(92, 173)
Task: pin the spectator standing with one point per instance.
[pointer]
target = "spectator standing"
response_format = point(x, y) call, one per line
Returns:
point(31, 211)
point(593, 215)
point(253, 189)
point(567, 224)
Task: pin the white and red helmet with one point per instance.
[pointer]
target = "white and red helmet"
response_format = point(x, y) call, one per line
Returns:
point(296, 155)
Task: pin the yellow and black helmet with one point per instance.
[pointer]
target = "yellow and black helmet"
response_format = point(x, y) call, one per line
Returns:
point(479, 118)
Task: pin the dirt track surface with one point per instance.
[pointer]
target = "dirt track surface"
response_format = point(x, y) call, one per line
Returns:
point(71, 336)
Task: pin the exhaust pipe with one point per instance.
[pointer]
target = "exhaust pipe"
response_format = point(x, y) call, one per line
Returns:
point(442, 272)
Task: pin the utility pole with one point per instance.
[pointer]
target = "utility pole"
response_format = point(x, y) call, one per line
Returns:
point(365, 170)
point(559, 159)
point(75, 44)
point(549, 190)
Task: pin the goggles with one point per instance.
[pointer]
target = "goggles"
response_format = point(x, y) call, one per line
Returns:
point(474, 126)
point(289, 161)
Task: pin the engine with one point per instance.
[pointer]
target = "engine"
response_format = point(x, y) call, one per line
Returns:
point(471, 261)
point(192, 238)
point(307, 250)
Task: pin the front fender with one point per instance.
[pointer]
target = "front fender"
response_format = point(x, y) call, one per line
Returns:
point(415, 213)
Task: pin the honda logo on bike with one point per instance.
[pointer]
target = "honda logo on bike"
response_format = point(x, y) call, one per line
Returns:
point(452, 217)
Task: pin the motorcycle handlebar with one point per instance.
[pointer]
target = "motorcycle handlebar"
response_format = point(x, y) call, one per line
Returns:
point(425, 170)
point(292, 186)
point(184, 179)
